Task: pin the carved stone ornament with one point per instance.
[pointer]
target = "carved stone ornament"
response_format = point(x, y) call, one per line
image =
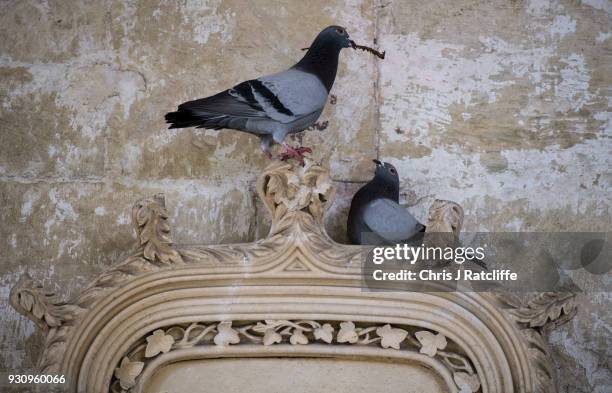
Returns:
point(294, 294)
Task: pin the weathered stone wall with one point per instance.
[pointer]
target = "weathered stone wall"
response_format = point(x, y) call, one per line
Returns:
point(502, 106)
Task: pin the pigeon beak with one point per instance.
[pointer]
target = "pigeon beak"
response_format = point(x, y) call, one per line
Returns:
point(378, 163)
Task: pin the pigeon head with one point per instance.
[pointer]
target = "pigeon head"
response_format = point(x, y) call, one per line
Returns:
point(321, 59)
point(334, 36)
point(387, 179)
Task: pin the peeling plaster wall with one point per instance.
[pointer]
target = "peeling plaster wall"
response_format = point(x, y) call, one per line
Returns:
point(502, 106)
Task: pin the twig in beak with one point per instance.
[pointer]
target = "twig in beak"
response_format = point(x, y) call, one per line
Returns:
point(373, 51)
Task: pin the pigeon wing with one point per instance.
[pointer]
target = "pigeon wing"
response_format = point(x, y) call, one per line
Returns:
point(282, 97)
point(290, 94)
point(231, 108)
point(390, 221)
point(238, 101)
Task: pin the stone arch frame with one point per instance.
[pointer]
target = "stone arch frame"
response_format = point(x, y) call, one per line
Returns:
point(295, 293)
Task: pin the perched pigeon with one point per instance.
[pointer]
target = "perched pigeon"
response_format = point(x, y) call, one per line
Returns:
point(275, 105)
point(376, 217)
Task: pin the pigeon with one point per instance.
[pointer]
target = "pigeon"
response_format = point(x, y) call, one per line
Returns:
point(376, 217)
point(275, 105)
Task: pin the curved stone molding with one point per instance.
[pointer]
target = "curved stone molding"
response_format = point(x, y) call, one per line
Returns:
point(296, 293)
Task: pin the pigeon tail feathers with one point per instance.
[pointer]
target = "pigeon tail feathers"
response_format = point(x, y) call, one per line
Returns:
point(183, 118)
point(219, 111)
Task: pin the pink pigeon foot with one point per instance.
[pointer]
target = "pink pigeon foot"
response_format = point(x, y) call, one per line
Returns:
point(297, 153)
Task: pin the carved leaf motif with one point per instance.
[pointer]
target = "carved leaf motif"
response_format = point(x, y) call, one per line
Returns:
point(322, 192)
point(391, 337)
point(127, 372)
point(35, 304)
point(41, 306)
point(324, 333)
point(262, 327)
point(430, 343)
point(287, 188)
point(158, 342)
point(27, 300)
point(271, 337)
point(543, 309)
point(549, 307)
point(466, 383)
point(445, 216)
point(298, 337)
point(226, 335)
point(275, 185)
point(269, 332)
point(347, 333)
point(150, 218)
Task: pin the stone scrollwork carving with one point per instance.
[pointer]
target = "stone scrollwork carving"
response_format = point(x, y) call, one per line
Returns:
point(535, 316)
point(302, 332)
point(294, 293)
point(158, 342)
point(444, 222)
point(50, 314)
point(127, 372)
point(544, 310)
point(150, 217)
point(430, 343)
point(57, 317)
point(285, 188)
point(40, 305)
point(445, 216)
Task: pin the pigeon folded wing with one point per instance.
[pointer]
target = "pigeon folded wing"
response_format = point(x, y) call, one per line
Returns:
point(390, 221)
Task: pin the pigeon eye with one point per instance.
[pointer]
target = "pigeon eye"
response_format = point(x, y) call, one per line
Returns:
point(340, 31)
point(392, 170)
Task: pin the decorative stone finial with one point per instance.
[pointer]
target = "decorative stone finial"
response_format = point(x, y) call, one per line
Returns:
point(444, 222)
point(445, 216)
point(150, 216)
point(288, 188)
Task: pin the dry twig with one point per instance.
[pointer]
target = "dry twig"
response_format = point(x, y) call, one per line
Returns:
point(380, 55)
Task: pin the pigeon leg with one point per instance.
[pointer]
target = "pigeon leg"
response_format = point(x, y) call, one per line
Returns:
point(297, 153)
point(265, 145)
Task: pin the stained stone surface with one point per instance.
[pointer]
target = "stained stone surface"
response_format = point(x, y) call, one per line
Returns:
point(501, 106)
point(296, 375)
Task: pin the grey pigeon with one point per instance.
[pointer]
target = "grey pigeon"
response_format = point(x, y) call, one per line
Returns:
point(376, 217)
point(275, 105)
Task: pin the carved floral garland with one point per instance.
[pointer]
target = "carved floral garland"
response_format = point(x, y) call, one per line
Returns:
point(271, 332)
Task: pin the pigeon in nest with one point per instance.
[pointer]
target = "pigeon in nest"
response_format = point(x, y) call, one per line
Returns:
point(376, 217)
point(275, 105)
